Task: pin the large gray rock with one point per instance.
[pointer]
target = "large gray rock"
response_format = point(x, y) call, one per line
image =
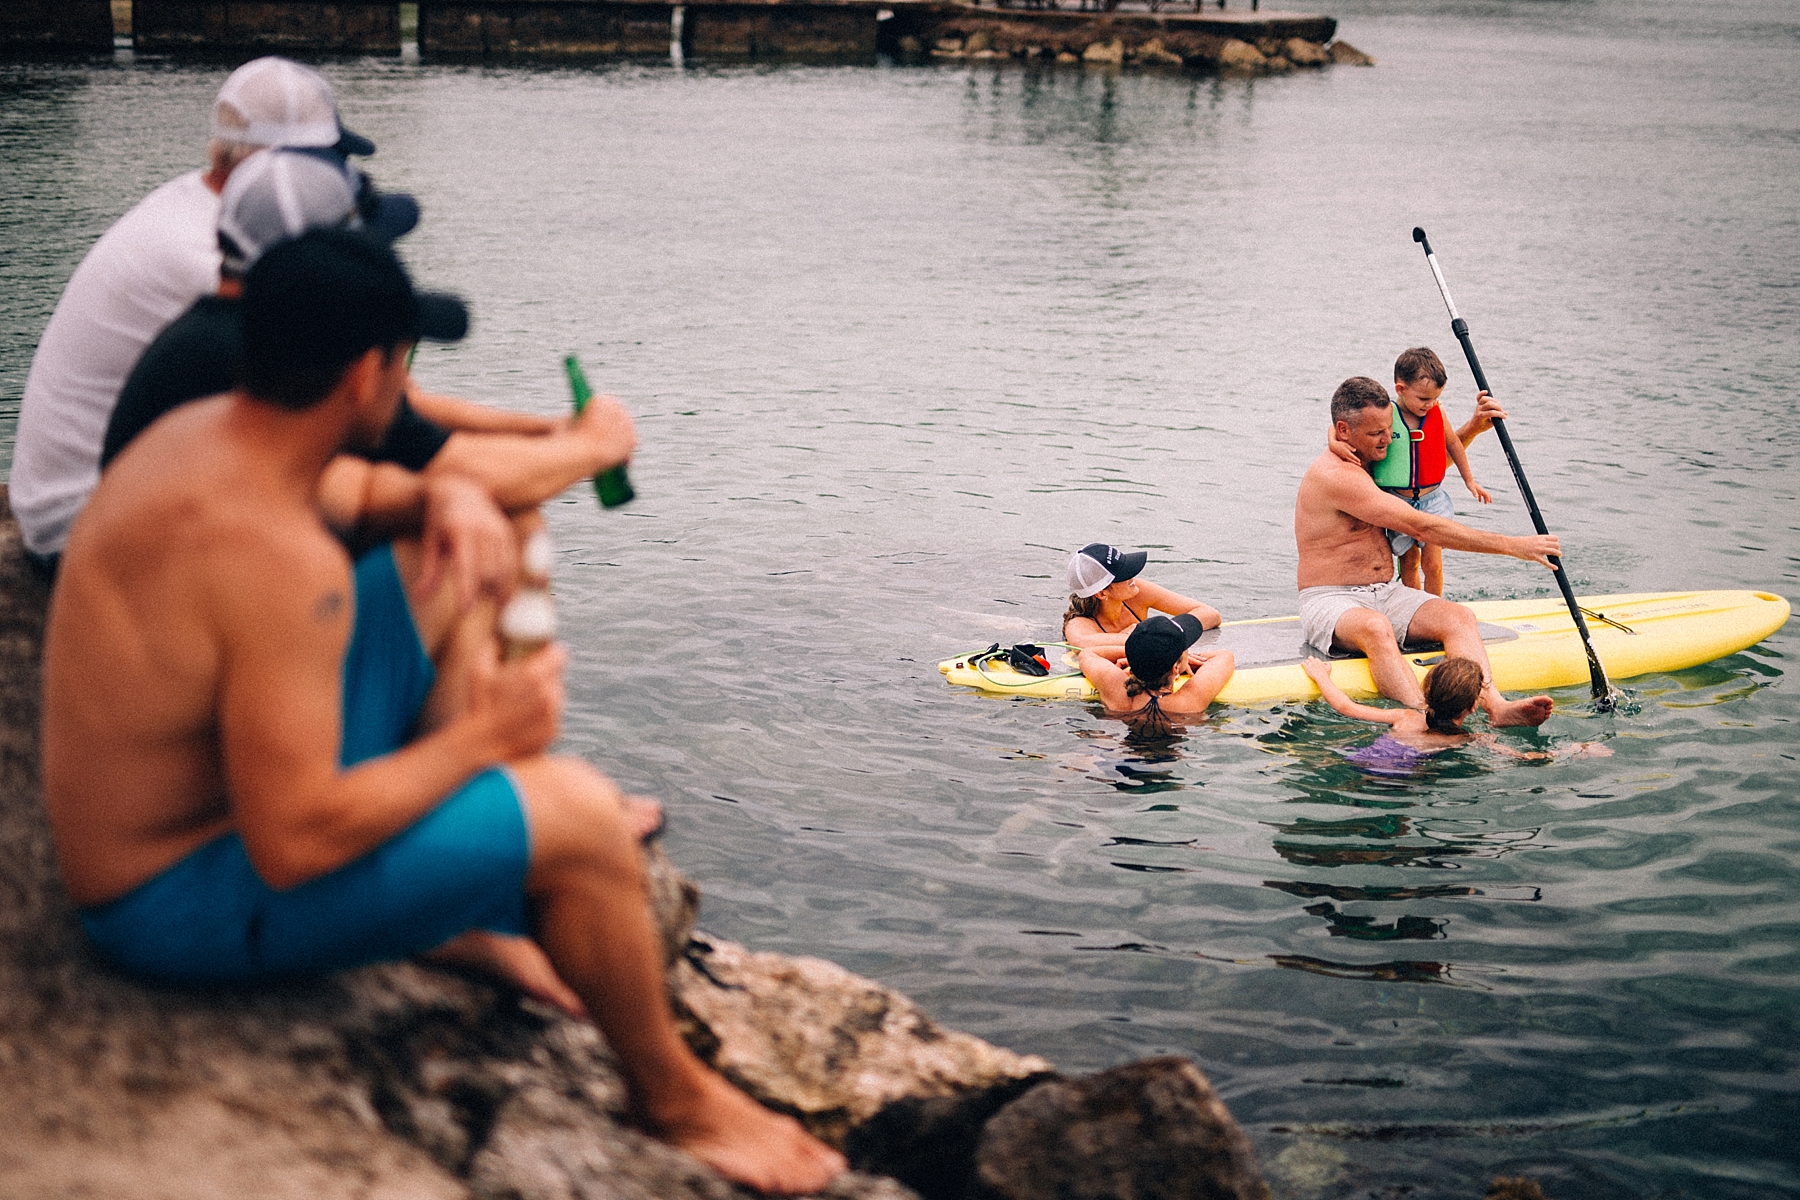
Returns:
point(1150, 1130)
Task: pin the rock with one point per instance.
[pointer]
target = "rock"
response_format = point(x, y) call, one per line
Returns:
point(980, 40)
point(1236, 55)
point(1064, 56)
point(1153, 53)
point(948, 48)
point(1277, 65)
point(911, 47)
point(1150, 1130)
point(1104, 52)
point(1303, 53)
point(806, 1036)
point(1515, 1187)
point(1344, 54)
point(1267, 47)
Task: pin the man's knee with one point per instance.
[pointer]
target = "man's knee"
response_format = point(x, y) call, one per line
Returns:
point(574, 812)
point(1366, 630)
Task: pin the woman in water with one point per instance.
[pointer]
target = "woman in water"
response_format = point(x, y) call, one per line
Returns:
point(1107, 599)
point(1157, 674)
point(1451, 691)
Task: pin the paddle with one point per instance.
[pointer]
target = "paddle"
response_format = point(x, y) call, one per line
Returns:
point(1606, 697)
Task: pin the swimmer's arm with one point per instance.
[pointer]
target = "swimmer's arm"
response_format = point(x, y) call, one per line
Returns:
point(1174, 603)
point(453, 412)
point(521, 471)
point(1320, 673)
point(1106, 676)
point(285, 620)
point(1085, 633)
point(1460, 457)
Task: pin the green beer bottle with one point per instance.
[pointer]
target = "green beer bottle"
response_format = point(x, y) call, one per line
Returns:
point(614, 486)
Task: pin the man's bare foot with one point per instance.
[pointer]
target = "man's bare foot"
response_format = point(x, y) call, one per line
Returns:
point(1533, 711)
point(515, 960)
point(644, 817)
point(745, 1142)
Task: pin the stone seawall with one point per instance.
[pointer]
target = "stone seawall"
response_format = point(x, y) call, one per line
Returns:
point(56, 27)
point(407, 1081)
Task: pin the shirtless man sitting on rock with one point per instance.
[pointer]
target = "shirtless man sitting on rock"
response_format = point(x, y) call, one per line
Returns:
point(1349, 596)
point(217, 818)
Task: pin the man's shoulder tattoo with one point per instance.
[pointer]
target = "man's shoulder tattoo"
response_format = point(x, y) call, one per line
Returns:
point(328, 606)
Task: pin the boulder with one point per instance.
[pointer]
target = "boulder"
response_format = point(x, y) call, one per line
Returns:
point(1150, 1130)
point(978, 41)
point(1152, 52)
point(1236, 55)
point(1104, 52)
point(1303, 53)
point(1344, 54)
point(1277, 65)
point(1066, 56)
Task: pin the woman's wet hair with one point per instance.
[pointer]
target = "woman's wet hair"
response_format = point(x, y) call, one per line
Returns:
point(1137, 687)
point(1451, 690)
point(1082, 606)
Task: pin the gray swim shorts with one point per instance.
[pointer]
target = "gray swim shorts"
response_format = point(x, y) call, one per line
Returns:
point(1436, 501)
point(1321, 607)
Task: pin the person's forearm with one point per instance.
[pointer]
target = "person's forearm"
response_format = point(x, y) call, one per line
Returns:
point(1453, 535)
point(519, 472)
point(357, 810)
point(453, 413)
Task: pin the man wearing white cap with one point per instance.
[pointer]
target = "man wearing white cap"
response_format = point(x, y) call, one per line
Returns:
point(145, 271)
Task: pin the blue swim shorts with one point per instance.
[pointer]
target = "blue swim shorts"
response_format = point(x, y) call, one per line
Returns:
point(1437, 502)
point(211, 918)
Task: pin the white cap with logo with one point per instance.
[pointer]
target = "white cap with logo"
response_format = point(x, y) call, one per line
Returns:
point(275, 101)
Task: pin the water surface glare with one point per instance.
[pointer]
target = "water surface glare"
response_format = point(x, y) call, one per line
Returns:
point(901, 338)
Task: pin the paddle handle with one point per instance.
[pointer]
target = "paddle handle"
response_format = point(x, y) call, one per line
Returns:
point(1602, 687)
point(612, 486)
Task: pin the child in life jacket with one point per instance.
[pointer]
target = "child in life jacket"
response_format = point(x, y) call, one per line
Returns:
point(1414, 468)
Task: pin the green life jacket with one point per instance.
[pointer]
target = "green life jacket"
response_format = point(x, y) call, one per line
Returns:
point(1416, 457)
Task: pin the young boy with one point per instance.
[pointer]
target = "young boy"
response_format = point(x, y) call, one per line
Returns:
point(1414, 467)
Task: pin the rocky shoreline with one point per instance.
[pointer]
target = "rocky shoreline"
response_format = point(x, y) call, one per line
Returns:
point(1098, 45)
point(410, 1081)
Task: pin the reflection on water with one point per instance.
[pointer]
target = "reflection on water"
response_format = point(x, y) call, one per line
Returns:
point(900, 340)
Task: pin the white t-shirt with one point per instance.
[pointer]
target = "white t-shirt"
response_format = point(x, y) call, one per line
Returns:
point(143, 273)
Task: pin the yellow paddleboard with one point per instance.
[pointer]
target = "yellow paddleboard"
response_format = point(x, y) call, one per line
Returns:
point(1532, 645)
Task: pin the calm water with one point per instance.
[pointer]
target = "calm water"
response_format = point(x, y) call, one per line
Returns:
point(900, 339)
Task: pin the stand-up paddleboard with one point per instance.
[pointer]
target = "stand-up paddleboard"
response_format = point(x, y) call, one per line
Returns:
point(1532, 644)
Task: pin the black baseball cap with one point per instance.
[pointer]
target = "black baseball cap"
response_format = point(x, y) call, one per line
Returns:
point(1157, 643)
point(315, 303)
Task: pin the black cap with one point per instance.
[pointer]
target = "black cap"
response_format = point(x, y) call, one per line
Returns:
point(313, 304)
point(1157, 643)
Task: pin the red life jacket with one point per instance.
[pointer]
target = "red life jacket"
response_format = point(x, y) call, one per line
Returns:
point(1416, 458)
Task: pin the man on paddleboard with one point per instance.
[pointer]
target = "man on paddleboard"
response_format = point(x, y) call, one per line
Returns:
point(1349, 596)
point(217, 819)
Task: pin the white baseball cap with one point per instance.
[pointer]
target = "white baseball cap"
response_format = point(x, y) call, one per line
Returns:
point(1097, 565)
point(275, 101)
point(275, 195)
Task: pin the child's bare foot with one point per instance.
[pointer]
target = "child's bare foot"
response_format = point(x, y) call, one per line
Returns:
point(515, 960)
point(1533, 711)
point(745, 1142)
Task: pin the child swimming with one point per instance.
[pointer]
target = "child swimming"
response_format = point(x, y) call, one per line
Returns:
point(1452, 689)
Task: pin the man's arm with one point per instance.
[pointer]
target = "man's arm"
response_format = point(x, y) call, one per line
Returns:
point(521, 471)
point(453, 412)
point(1350, 490)
point(456, 521)
point(284, 613)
